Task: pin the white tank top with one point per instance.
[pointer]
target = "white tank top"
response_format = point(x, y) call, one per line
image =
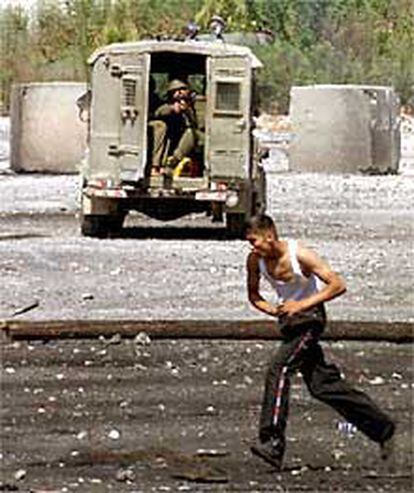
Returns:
point(300, 287)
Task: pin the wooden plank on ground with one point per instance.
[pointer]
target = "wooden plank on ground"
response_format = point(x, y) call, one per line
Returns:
point(200, 329)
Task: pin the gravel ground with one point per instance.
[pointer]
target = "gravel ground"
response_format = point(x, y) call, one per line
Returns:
point(114, 415)
point(99, 415)
point(362, 224)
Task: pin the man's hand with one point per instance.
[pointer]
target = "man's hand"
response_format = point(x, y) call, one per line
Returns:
point(176, 106)
point(290, 307)
point(184, 104)
point(180, 106)
point(270, 309)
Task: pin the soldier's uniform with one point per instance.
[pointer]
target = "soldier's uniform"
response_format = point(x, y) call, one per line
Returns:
point(176, 132)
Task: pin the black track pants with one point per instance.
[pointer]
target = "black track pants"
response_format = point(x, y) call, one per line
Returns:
point(303, 352)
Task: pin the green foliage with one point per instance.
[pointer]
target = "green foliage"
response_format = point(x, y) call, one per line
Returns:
point(337, 41)
point(316, 41)
point(13, 42)
point(234, 13)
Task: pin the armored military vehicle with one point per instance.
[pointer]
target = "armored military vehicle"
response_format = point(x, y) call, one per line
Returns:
point(222, 177)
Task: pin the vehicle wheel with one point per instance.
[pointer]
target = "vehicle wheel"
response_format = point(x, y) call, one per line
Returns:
point(97, 226)
point(216, 213)
point(236, 225)
point(115, 224)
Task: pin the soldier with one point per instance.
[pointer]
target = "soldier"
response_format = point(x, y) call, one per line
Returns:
point(157, 130)
point(303, 283)
point(175, 127)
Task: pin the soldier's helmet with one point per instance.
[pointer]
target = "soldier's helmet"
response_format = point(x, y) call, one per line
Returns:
point(176, 84)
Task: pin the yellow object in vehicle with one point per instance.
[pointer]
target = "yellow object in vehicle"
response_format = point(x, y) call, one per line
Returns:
point(185, 162)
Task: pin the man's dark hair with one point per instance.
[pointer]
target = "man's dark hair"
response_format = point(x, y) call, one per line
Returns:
point(261, 223)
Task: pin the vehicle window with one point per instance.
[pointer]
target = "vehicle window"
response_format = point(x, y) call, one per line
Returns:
point(161, 82)
point(227, 96)
point(198, 83)
point(129, 93)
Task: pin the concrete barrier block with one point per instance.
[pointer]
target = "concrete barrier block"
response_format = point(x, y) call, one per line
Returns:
point(344, 129)
point(46, 132)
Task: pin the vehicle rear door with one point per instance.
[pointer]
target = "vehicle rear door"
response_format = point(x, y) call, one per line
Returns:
point(119, 115)
point(133, 74)
point(228, 122)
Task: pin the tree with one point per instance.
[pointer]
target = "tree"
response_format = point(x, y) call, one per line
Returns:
point(234, 12)
point(13, 55)
point(316, 41)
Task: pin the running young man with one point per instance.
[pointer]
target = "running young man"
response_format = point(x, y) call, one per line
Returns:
point(303, 283)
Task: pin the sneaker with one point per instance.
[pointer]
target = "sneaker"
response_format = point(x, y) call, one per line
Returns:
point(387, 448)
point(268, 453)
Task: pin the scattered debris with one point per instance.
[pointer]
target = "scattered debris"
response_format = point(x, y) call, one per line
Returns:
point(178, 464)
point(347, 428)
point(201, 452)
point(25, 309)
point(183, 354)
point(142, 339)
point(82, 434)
point(375, 475)
point(125, 475)
point(114, 434)
point(95, 481)
point(338, 454)
point(87, 296)
point(115, 339)
point(377, 381)
point(20, 474)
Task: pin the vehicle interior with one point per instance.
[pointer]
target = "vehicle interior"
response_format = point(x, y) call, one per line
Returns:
point(190, 69)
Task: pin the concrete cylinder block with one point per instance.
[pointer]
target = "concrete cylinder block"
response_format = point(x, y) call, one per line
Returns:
point(47, 134)
point(344, 129)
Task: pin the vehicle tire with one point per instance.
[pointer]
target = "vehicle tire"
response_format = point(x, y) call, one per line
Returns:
point(97, 226)
point(115, 224)
point(236, 225)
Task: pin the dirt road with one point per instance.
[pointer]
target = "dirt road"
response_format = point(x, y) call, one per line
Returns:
point(179, 415)
point(187, 270)
point(97, 416)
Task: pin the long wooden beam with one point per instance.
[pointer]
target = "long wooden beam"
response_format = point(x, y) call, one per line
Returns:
point(199, 329)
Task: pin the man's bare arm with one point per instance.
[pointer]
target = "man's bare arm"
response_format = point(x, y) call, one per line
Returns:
point(253, 282)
